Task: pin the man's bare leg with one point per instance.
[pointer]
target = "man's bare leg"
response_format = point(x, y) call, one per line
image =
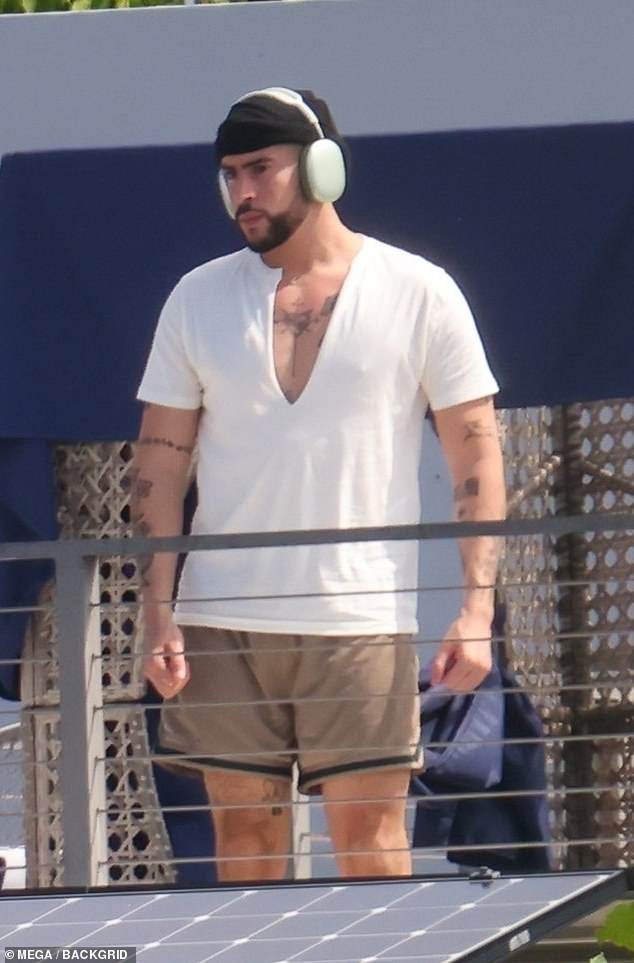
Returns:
point(366, 818)
point(252, 825)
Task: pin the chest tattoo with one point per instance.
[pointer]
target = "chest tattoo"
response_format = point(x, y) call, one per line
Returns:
point(300, 320)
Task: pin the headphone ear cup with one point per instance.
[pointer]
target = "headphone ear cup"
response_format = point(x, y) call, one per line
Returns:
point(225, 196)
point(322, 171)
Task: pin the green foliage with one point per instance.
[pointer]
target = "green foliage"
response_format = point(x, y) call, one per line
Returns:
point(618, 926)
point(50, 6)
point(45, 6)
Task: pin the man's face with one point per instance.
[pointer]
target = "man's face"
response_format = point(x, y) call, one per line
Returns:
point(264, 189)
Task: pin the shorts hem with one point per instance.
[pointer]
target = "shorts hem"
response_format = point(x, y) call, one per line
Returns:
point(309, 782)
point(200, 762)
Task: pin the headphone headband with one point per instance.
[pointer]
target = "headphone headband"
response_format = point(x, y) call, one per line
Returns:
point(287, 96)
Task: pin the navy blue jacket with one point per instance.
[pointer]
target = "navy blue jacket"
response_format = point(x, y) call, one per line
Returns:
point(466, 752)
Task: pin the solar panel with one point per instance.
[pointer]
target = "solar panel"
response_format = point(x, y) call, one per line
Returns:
point(431, 920)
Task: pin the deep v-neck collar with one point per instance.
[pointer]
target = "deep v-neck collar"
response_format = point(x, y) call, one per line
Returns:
point(273, 277)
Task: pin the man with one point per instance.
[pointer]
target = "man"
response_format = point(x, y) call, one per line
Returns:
point(302, 367)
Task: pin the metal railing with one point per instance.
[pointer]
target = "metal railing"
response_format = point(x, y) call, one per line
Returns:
point(84, 810)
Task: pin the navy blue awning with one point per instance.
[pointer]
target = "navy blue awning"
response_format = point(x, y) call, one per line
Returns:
point(537, 225)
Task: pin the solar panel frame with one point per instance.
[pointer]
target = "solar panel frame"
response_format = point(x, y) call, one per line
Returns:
point(612, 886)
point(555, 900)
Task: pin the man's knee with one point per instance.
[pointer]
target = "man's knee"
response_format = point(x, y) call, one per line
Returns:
point(367, 811)
point(238, 829)
point(370, 825)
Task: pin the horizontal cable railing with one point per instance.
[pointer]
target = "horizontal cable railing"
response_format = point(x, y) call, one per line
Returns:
point(87, 764)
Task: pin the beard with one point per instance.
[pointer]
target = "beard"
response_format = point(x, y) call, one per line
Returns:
point(280, 228)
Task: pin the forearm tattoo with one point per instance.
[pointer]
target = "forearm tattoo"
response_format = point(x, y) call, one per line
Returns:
point(479, 556)
point(483, 562)
point(168, 443)
point(487, 567)
point(140, 488)
point(145, 559)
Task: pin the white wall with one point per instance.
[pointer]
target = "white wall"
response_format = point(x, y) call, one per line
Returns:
point(167, 75)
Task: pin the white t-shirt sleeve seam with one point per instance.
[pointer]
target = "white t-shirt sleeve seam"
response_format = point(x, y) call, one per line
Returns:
point(455, 367)
point(153, 396)
point(169, 377)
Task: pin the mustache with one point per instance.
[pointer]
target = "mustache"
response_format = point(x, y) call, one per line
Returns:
point(245, 208)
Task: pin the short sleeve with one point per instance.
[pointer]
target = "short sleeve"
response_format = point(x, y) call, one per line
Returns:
point(170, 378)
point(455, 366)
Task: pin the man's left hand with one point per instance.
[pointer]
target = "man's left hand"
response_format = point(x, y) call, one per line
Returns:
point(464, 656)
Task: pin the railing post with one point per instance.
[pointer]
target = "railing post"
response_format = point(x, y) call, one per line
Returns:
point(82, 763)
point(302, 848)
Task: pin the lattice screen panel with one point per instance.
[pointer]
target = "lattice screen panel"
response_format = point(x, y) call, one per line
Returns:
point(599, 440)
point(93, 492)
point(607, 465)
point(570, 622)
point(138, 850)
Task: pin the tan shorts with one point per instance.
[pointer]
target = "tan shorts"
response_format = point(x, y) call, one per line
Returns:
point(257, 703)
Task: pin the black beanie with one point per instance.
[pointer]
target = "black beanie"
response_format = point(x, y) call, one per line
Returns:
point(264, 120)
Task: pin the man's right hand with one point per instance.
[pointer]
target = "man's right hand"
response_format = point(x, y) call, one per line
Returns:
point(164, 662)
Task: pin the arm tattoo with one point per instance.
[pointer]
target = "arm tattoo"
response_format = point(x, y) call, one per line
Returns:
point(140, 488)
point(470, 488)
point(167, 442)
point(136, 486)
point(478, 429)
point(489, 564)
point(145, 560)
point(483, 569)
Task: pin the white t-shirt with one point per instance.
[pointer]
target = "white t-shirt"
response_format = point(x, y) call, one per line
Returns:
point(344, 455)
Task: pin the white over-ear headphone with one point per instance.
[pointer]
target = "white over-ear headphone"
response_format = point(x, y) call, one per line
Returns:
point(322, 168)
